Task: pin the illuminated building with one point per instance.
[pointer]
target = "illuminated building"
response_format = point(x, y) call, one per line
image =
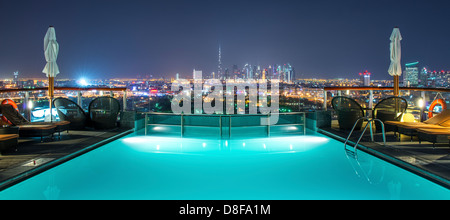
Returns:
point(219, 69)
point(411, 74)
point(364, 78)
point(197, 74)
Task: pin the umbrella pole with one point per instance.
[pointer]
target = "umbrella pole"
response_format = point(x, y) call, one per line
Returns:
point(396, 86)
point(50, 94)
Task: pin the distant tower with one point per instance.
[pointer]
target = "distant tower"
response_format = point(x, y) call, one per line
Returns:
point(197, 74)
point(364, 78)
point(16, 78)
point(219, 70)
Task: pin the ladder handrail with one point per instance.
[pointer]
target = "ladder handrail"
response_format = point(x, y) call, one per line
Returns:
point(369, 122)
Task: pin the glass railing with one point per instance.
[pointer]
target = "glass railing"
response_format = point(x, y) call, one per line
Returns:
point(34, 103)
point(224, 126)
point(418, 99)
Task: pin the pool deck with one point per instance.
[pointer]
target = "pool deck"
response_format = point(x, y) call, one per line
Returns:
point(406, 152)
point(32, 154)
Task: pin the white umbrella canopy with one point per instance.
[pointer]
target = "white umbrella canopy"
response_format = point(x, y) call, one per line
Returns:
point(395, 69)
point(51, 49)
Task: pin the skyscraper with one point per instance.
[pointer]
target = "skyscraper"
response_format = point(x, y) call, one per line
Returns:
point(411, 74)
point(423, 77)
point(219, 69)
point(197, 74)
point(364, 78)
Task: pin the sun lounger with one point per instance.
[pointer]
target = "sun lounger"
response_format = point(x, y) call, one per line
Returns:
point(409, 128)
point(36, 130)
point(32, 129)
point(434, 135)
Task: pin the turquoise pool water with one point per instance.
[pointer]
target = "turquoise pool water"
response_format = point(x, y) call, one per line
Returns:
point(291, 167)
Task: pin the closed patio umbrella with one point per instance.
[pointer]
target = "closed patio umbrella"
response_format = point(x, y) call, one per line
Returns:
point(395, 69)
point(51, 49)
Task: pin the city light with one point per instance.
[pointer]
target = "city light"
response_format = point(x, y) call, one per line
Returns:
point(82, 82)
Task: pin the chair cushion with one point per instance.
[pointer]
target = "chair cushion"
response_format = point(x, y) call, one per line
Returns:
point(36, 127)
point(4, 137)
point(443, 116)
point(436, 131)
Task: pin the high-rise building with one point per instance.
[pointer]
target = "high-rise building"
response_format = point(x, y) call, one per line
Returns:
point(411, 74)
point(197, 74)
point(219, 69)
point(16, 78)
point(288, 73)
point(364, 78)
point(423, 76)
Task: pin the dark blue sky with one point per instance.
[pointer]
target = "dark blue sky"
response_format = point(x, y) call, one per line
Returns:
point(320, 38)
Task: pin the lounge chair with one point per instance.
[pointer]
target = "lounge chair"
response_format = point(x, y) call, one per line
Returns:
point(348, 112)
point(410, 128)
point(434, 135)
point(389, 109)
point(32, 129)
point(103, 112)
point(72, 112)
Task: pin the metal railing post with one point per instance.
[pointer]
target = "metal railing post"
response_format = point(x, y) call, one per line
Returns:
point(229, 128)
point(146, 123)
point(220, 126)
point(182, 124)
point(124, 100)
point(26, 102)
point(79, 98)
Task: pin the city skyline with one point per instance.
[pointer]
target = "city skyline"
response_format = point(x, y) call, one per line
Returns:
point(321, 39)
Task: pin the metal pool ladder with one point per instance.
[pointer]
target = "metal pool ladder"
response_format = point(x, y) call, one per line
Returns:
point(369, 122)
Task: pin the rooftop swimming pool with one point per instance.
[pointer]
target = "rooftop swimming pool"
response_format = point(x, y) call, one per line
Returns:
point(269, 168)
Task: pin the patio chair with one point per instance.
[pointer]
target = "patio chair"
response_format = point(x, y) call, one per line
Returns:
point(348, 112)
point(103, 112)
point(389, 109)
point(70, 111)
point(32, 129)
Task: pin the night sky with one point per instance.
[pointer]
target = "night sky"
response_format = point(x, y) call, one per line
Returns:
point(320, 38)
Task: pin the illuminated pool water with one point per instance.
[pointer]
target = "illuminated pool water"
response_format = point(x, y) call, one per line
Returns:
point(292, 167)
